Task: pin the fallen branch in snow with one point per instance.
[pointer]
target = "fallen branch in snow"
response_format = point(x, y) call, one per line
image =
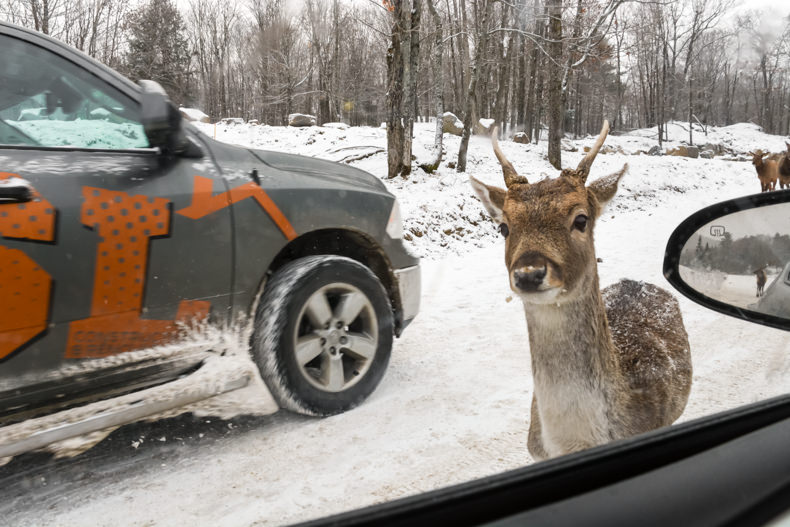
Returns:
point(358, 157)
point(357, 147)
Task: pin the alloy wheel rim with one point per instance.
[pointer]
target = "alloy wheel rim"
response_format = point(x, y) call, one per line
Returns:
point(336, 337)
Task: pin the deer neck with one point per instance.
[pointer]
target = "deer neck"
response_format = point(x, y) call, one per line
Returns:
point(571, 345)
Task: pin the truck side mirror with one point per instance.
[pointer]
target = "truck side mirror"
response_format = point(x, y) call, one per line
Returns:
point(734, 257)
point(162, 122)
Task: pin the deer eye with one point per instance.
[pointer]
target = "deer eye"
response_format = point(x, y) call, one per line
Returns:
point(503, 230)
point(580, 223)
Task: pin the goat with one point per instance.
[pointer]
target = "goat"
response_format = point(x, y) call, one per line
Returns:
point(784, 168)
point(761, 279)
point(767, 170)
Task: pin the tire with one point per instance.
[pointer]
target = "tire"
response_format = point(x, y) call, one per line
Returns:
point(314, 362)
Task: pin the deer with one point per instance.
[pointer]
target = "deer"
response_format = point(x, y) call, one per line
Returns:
point(606, 364)
point(761, 279)
point(767, 170)
point(784, 168)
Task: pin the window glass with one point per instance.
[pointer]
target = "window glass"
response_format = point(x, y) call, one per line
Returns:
point(47, 101)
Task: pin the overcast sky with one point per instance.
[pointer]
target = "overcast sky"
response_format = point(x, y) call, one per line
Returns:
point(767, 220)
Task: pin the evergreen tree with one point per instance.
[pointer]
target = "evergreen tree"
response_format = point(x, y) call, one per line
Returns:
point(158, 48)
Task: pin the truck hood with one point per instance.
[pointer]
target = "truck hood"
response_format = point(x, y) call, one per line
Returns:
point(325, 170)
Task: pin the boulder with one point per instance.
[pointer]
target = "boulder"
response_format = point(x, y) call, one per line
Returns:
point(301, 119)
point(693, 152)
point(336, 126)
point(655, 150)
point(521, 138)
point(568, 146)
point(255, 122)
point(193, 114)
point(716, 148)
point(483, 127)
point(680, 151)
point(232, 120)
point(451, 124)
point(706, 154)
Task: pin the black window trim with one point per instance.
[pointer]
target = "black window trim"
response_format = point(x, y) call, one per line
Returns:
point(125, 151)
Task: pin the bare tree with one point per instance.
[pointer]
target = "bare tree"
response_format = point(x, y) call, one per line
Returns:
point(438, 80)
point(470, 112)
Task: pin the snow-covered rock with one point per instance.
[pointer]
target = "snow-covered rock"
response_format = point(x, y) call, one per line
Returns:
point(32, 114)
point(521, 137)
point(193, 114)
point(451, 124)
point(483, 126)
point(301, 119)
point(232, 120)
point(99, 113)
point(336, 126)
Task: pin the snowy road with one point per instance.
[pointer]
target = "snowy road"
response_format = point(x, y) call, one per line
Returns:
point(453, 406)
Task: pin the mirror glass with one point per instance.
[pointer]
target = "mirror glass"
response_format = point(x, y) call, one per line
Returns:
point(743, 259)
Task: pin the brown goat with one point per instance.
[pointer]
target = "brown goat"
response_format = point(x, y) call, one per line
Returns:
point(761, 279)
point(784, 168)
point(767, 170)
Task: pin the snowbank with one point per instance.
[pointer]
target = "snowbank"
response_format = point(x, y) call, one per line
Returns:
point(441, 215)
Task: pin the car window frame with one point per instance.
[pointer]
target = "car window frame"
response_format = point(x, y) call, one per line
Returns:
point(93, 67)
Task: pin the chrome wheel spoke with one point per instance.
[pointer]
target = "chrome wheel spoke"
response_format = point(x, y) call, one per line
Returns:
point(318, 310)
point(361, 346)
point(350, 306)
point(332, 375)
point(308, 348)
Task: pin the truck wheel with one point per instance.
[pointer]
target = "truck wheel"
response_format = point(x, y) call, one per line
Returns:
point(323, 334)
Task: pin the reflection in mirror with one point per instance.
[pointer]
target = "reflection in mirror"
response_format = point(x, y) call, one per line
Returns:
point(743, 259)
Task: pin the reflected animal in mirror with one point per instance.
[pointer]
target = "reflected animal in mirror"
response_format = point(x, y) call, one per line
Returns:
point(784, 168)
point(606, 364)
point(767, 170)
point(761, 279)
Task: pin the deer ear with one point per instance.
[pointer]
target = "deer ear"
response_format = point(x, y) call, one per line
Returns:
point(605, 188)
point(493, 198)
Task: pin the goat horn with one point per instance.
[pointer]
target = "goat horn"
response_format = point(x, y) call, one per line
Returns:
point(584, 164)
point(511, 176)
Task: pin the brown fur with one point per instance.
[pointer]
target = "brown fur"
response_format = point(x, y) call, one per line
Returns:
point(767, 171)
point(605, 366)
point(784, 168)
point(761, 279)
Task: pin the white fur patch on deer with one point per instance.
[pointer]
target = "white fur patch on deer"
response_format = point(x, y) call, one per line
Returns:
point(606, 364)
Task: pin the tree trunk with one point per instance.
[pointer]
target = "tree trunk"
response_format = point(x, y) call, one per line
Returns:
point(470, 112)
point(438, 90)
point(555, 82)
point(410, 75)
point(395, 133)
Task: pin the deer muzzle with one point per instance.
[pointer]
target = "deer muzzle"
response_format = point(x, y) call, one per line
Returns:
point(530, 273)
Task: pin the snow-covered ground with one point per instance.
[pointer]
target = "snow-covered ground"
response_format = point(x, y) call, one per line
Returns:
point(454, 404)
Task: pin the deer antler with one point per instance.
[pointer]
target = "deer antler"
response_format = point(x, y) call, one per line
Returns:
point(511, 176)
point(584, 165)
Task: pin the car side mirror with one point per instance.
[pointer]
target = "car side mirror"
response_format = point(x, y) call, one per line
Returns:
point(734, 258)
point(163, 123)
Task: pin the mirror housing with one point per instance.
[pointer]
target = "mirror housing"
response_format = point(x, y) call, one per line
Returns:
point(734, 257)
point(163, 123)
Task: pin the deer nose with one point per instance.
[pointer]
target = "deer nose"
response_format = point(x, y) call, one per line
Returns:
point(529, 271)
point(530, 279)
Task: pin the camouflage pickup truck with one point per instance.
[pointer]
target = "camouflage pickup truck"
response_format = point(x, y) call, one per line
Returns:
point(121, 224)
